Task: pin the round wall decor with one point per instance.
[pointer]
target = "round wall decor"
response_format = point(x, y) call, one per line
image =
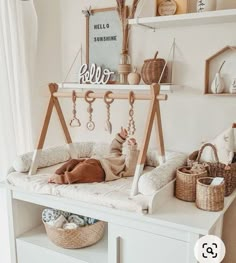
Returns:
point(167, 7)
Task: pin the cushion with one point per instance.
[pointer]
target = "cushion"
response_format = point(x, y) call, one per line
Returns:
point(152, 181)
point(60, 154)
point(224, 144)
point(49, 157)
point(52, 156)
point(84, 149)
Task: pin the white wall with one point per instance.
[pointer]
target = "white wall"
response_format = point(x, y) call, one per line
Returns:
point(48, 63)
point(188, 116)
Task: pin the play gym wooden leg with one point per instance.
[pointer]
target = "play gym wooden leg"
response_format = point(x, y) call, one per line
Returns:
point(143, 151)
point(137, 174)
point(159, 133)
point(35, 162)
point(37, 152)
point(63, 123)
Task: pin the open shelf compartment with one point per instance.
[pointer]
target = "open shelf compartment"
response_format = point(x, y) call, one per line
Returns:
point(37, 240)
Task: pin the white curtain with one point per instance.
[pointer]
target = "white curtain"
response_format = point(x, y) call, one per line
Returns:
point(18, 36)
point(18, 31)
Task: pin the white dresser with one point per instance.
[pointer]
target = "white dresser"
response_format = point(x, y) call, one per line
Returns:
point(167, 236)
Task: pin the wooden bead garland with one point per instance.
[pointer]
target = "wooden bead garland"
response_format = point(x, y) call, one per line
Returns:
point(75, 122)
point(90, 124)
point(131, 124)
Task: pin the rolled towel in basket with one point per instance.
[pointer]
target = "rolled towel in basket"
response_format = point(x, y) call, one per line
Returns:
point(59, 222)
point(70, 226)
point(78, 220)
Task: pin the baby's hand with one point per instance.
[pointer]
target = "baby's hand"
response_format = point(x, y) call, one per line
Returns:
point(123, 133)
point(132, 141)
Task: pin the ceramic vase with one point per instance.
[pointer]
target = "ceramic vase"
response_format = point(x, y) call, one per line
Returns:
point(233, 86)
point(124, 68)
point(206, 5)
point(218, 85)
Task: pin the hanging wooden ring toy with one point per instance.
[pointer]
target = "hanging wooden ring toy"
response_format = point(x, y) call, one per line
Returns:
point(108, 101)
point(90, 124)
point(131, 124)
point(75, 122)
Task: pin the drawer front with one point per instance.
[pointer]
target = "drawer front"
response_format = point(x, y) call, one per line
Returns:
point(29, 253)
point(128, 245)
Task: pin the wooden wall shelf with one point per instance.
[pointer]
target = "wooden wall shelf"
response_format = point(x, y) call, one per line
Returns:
point(190, 19)
point(74, 85)
point(207, 69)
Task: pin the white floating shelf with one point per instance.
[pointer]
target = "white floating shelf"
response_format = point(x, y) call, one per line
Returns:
point(212, 17)
point(164, 87)
point(37, 238)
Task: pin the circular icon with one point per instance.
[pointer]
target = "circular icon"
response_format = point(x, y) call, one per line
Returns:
point(209, 249)
point(90, 125)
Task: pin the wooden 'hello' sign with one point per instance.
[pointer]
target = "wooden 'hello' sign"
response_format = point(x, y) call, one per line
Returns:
point(94, 74)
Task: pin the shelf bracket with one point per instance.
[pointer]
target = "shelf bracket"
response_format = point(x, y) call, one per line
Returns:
point(144, 25)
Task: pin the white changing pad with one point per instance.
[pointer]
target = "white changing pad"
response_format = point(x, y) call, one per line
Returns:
point(114, 194)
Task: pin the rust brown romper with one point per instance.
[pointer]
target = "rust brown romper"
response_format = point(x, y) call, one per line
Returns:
point(80, 171)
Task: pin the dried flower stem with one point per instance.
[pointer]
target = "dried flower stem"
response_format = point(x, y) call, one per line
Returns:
point(124, 15)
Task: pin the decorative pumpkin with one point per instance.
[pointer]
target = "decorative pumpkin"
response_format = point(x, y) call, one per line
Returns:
point(134, 77)
point(152, 70)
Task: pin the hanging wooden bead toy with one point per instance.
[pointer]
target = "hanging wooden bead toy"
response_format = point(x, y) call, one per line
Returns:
point(90, 124)
point(131, 124)
point(108, 102)
point(75, 122)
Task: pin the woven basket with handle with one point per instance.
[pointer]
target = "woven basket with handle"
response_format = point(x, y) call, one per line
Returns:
point(209, 197)
point(185, 188)
point(153, 70)
point(76, 238)
point(217, 169)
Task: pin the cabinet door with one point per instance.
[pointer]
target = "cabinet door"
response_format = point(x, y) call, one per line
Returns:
point(128, 245)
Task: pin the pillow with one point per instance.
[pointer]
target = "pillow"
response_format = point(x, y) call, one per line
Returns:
point(152, 158)
point(101, 149)
point(84, 149)
point(150, 182)
point(224, 144)
point(49, 157)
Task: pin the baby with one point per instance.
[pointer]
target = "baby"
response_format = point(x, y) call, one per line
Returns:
point(100, 169)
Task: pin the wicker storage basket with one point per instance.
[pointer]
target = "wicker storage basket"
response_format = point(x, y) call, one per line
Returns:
point(76, 238)
point(209, 197)
point(152, 70)
point(185, 188)
point(228, 172)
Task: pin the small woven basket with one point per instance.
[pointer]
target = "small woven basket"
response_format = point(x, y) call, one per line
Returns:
point(228, 172)
point(76, 238)
point(209, 197)
point(185, 188)
point(153, 70)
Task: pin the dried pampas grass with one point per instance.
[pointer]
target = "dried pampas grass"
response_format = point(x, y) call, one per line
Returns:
point(133, 8)
point(124, 15)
